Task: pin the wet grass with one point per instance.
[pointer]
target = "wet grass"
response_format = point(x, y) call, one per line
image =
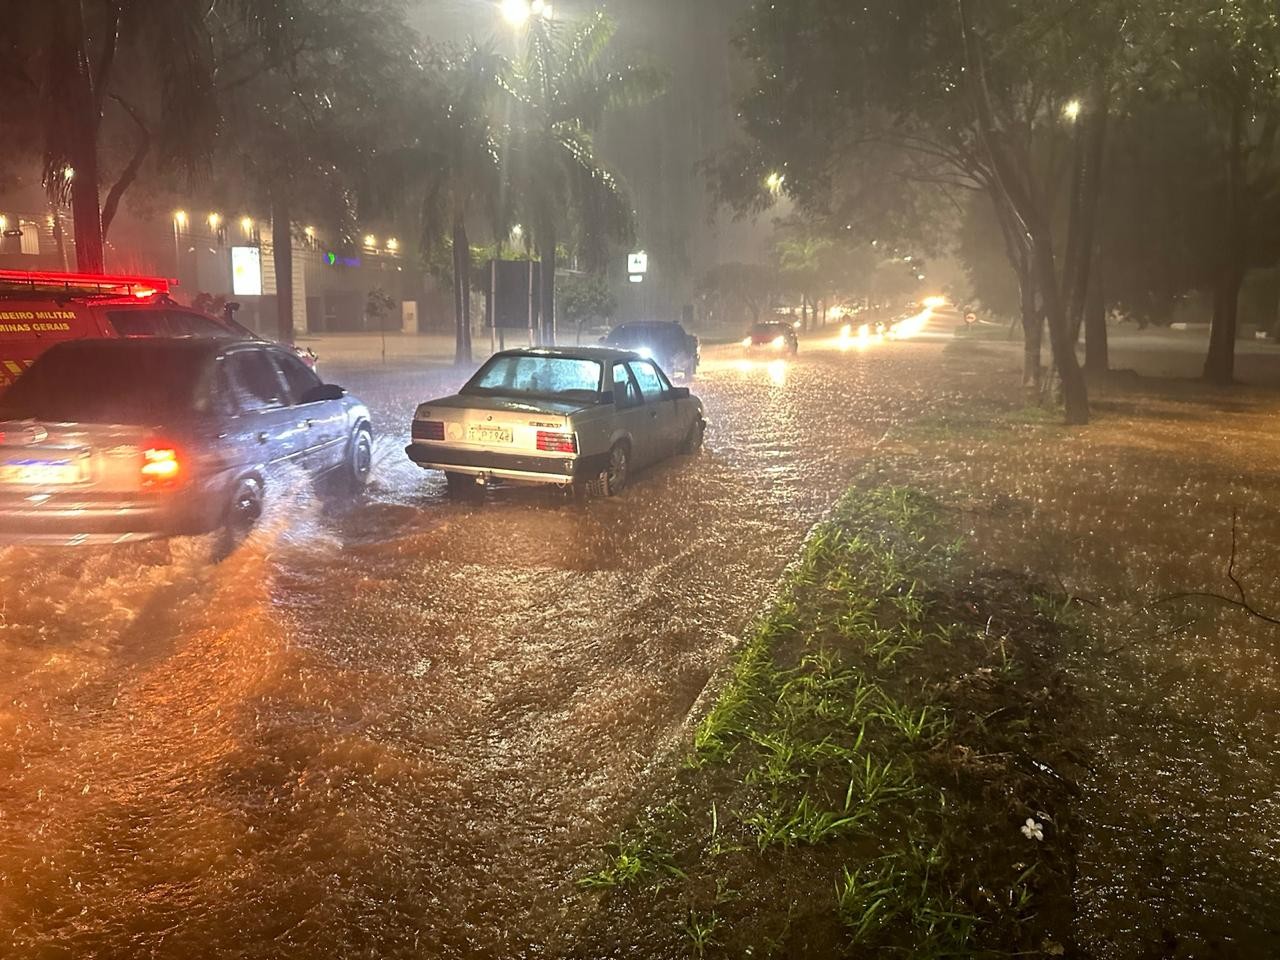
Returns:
point(862, 779)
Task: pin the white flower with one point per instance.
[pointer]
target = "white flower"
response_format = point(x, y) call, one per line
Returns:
point(1032, 830)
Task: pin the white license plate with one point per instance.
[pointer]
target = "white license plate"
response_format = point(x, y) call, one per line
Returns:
point(42, 473)
point(487, 433)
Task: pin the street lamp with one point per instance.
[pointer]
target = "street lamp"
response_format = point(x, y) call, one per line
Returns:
point(775, 181)
point(179, 224)
point(516, 12)
point(246, 224)
point(1071, 110)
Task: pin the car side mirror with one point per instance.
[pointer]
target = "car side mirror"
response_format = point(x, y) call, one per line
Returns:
point(605, 396)
point(323, 391)
point(680, 393)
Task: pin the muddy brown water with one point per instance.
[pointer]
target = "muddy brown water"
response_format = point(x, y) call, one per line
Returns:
point(403, 727)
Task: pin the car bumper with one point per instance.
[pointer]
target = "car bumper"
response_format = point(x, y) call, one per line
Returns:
point(64, 521)
point(517, 467)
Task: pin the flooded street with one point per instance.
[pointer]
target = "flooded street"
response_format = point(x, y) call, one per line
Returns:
point(404, 726)
point(396, 727)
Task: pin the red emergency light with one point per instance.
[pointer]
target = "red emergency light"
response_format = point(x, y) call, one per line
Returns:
point(86, 283)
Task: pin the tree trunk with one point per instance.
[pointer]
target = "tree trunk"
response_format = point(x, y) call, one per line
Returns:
point(282, 257)
point(1032, 327)
point(1220, 363)
point(1075, 392)
point(82, 119)
point(548, 291)
point(461, 298)
point(1096, 359)
point(1086, 191)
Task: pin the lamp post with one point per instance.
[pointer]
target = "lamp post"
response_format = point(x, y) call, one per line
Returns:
point(179, 224)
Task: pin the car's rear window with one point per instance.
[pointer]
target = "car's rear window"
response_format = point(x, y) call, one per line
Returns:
point(647, 335)
point(536, 376)
point(106, 384)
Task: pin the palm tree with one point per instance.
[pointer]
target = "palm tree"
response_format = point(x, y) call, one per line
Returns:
point(451, 167)
point(560, 95)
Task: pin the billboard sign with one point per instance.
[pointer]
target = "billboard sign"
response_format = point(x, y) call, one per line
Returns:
point(246, 271)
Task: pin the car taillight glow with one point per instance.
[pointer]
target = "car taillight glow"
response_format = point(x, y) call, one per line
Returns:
point(428, 429)
point(160, 465)
point(557, 442)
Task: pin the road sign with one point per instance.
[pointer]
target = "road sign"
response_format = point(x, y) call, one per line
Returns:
point(638, 263)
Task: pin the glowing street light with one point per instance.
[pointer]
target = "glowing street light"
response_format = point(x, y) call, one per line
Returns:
point(1071, 110)
point(180, 219)
point(370, 241)
point(246, 224)
point(310, 232)
point(517, 232)
point(774, 182)
point(393, 244)
point(214, 220)
point(516, 12)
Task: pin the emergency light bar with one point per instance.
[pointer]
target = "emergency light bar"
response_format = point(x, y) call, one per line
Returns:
point(85, 283)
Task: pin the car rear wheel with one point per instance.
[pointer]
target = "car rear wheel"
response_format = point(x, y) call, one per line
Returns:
point(693, 439)
point(360, 459)
point(612, 480)
point(245, 508)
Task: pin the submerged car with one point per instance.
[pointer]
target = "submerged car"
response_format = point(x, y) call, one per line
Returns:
point(105, 441)
point(772, 337)
point(576, 417)
point(668, 344)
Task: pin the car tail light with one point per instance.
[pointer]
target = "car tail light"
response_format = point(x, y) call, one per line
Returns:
point(557, 442)
point(428, 429)
point(161, 466)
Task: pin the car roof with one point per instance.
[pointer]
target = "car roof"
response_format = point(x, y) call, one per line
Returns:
point(122, 347)
point(601, 354)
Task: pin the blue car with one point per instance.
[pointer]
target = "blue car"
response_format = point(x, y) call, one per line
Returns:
point(105, 441)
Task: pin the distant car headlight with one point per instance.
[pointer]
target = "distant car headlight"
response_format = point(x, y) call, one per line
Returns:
point(645, 352)
point(779, 342)
point(746, 341)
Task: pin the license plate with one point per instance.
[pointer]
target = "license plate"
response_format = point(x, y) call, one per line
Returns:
point(42, 473)
point(487, 433)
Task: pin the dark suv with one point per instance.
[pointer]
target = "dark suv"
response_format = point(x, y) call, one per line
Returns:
point(666, 343)
point(113, 440)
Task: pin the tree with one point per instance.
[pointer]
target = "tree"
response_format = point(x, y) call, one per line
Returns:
point(451, 166)
point(78, 72)
point(1228, 57)
point(586, 297)
point(1008, 98)
point(304, 122)
point(564, 87)
point(748, 288)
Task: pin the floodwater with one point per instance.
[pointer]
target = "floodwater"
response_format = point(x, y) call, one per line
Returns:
point(401, 727)
point(398, 727)
point(1179, 855)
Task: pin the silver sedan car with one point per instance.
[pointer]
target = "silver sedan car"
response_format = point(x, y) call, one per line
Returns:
point(574, 417)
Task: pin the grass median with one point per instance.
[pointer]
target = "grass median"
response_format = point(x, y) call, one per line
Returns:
point(888, 766)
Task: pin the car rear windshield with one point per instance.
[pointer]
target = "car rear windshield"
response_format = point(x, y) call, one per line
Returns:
point(649, 335)
point(106, 384)
point(561, 378)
